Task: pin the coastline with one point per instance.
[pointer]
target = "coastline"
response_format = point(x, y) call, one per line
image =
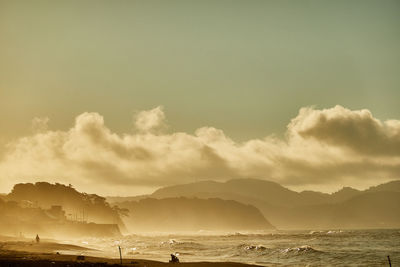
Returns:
point(24, 253)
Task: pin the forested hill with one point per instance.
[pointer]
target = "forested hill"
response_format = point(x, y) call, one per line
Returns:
point(77, 205)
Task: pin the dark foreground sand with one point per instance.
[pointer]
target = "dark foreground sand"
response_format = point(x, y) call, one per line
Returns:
point(28, 253)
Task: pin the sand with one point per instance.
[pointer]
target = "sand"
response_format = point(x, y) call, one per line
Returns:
point(49, 253)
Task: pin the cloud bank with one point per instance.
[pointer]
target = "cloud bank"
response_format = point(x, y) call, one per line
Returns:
point(322, 149)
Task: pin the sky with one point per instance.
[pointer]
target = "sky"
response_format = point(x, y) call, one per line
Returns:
point(143, 94)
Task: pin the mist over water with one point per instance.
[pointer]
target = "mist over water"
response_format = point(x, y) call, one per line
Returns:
point(284, 248)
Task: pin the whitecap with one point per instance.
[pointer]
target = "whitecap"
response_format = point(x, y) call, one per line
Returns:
point(301, 249)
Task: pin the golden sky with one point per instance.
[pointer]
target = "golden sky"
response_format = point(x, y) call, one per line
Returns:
point(141, 94)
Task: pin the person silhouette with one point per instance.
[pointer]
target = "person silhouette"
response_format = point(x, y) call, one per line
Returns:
point(37, 238)
point(174, 259)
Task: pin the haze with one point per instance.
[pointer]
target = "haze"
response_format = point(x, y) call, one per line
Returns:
point(122, 99)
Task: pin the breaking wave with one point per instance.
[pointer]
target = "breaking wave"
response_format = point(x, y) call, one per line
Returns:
point(252, 247)
point(300, 250)
point(330, 233)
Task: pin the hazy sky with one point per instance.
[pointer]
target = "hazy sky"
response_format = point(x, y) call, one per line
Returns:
point(245, 67)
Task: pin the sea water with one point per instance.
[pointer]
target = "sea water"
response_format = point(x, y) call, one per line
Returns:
point(282, 248)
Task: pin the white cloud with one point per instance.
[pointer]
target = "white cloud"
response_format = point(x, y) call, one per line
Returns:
point(150, 120)
point(323, 148)
point(355, 130)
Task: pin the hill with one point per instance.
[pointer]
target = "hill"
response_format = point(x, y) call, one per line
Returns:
point(271, 192)
point(299, 210)
point(393, 186)
point(78, 206)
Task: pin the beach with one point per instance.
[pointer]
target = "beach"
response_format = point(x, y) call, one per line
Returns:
point(29, 253)
point(281, 248)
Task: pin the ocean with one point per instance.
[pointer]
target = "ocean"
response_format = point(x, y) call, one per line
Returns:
point(278, 248)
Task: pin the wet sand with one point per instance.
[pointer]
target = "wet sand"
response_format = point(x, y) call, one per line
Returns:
point(28, 253)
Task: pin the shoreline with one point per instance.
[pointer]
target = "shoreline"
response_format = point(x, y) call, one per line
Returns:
point(21, 253)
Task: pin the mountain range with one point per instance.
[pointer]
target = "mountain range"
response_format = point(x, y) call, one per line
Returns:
point(57, 209)
point(376, 207)
point(234, 205)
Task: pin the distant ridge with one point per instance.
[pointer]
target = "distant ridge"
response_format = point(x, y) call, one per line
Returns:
point(272, 192)
point(269, 191)
point(288, 209)
point(392, 186)
point(344, 194)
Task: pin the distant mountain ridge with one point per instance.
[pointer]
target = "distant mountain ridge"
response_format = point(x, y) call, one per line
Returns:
point(240, 204)
point(150, 214)
point(392, 186)
point(271, 192)
point(285, 208)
